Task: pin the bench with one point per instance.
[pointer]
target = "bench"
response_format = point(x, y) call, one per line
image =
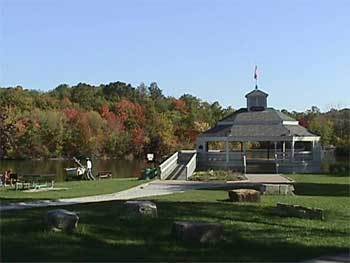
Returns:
point(104, 174)
point(22, 185)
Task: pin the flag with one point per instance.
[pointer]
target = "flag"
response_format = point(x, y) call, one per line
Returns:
point(256, 72)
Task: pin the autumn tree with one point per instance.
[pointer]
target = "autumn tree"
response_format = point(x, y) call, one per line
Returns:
point(7, 131)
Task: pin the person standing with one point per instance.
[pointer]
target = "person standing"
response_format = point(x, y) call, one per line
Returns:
point(89, 169)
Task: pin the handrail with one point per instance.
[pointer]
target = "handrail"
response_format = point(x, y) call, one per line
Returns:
point(191, 166)
point(168, 163)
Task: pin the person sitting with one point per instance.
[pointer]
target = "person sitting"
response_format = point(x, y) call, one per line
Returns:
point(6, 177)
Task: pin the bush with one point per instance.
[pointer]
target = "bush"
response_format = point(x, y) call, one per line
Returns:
point(342, 169)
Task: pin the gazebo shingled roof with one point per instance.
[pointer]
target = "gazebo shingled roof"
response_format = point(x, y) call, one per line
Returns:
point(269, 122)
point(244, 116)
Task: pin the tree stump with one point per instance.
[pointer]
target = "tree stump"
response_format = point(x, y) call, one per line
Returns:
point(244, 195)
point(197, 232)
point(141, 209)
point(62, 220)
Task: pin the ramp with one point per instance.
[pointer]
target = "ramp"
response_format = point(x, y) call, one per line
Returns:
point(179, 166)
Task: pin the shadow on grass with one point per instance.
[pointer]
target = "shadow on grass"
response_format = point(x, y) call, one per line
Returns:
point(104, 234)
point(315, 189)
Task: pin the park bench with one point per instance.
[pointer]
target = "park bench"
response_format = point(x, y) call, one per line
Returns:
point(35, 181)
point(104, 174)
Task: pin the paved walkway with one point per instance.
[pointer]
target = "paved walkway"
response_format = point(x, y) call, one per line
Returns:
point(268, 178)
point(345, 257)
point(153, 188)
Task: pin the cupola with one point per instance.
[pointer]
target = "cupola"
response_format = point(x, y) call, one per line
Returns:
point(256, 100)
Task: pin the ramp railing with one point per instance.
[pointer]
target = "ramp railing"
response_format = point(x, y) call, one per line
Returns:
point(168, 166)
point(191, 166)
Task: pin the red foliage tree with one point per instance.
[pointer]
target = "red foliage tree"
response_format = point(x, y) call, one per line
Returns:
point(179, 105)
point(71, 114)
point(132, 115)
point(304, 122)
point(113, 122)
point(138, 140)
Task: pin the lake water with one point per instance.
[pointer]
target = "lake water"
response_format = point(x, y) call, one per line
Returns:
point(119, 168)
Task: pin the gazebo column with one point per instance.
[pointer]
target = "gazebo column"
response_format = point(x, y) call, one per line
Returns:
point(292, 149)
point(284, 150)
point(227, 151)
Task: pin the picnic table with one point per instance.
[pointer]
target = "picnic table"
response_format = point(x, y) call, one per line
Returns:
point(35, 181)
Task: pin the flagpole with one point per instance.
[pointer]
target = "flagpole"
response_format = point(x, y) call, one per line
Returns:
point(256, 77)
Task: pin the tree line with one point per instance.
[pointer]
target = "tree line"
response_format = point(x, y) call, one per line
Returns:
point(333, 126)
point(114, 120)
point(122, 121)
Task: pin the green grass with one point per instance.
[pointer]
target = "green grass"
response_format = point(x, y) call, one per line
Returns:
point(252, 231)
point(75, 189)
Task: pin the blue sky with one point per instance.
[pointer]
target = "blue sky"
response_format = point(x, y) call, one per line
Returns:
point(205, 48)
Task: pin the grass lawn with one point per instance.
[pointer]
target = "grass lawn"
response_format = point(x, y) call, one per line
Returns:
point(75, 189)
point(252, 232)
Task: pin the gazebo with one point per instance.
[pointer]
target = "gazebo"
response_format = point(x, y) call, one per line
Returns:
point(259, 139)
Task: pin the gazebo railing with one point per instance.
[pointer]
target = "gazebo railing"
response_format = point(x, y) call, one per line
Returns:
point(298, 156)
point(256, 154)
point(263, 154)
point(221, 156)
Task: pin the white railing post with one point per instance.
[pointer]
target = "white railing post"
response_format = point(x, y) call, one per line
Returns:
point(244, 164)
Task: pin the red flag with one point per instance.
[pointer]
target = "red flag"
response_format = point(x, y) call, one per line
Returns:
point(256, 72)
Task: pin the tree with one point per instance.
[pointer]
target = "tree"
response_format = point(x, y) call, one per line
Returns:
point(323, 127)
point(61, 91)
point(85, 95)
point(7, 131)
point(155, 92)
point(142, 89)
point(131, 115)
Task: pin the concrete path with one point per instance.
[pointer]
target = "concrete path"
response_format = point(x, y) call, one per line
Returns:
point(345, 257)
point(268, 178)
point(154, 188)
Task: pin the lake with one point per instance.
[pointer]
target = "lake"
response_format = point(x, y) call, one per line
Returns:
point(119, 168)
